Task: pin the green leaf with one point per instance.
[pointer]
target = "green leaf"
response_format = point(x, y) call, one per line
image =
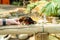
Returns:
point(51, 9)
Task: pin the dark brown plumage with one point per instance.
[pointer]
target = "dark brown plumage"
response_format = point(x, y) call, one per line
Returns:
point(26, 20)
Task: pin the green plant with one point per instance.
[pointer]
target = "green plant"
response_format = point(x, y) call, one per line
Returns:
point(51, 9)
point(32, 6)
point(15, 3)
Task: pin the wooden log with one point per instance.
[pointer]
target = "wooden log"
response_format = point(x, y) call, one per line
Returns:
point(19, 30)
point(50, 28)
point(42, 36)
